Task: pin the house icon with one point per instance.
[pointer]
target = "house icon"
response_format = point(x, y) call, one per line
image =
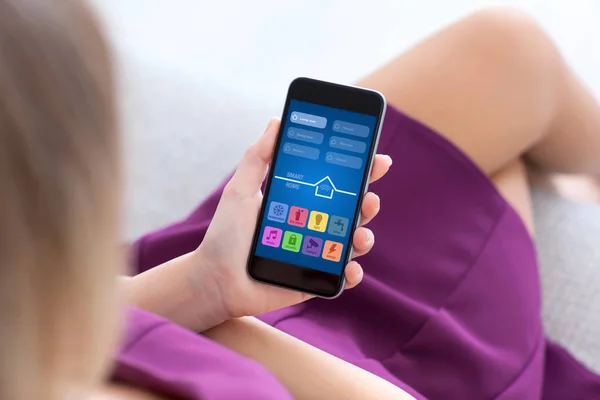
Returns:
point(324, 188)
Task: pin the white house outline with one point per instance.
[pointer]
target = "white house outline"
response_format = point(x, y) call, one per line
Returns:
point(316, 186)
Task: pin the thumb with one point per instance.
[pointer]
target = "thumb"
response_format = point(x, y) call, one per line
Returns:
point(254, 165)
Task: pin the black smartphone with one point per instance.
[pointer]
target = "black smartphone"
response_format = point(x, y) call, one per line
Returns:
point(313, 194)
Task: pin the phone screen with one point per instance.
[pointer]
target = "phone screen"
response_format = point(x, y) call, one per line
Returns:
point(316, 186)
point(319, 172)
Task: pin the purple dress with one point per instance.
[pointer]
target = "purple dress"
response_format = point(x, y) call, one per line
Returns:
point(449, 307)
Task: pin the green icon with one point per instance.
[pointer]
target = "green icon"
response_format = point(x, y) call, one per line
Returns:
point(292, 241)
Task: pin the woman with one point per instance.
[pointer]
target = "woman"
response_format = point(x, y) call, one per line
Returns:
point(427, 321)
point(60, 176)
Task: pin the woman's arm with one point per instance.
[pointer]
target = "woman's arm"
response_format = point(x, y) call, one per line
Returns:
point(182, 290)
point(307, 372)
point(122, 392)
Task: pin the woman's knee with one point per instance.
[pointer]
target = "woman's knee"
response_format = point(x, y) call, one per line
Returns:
point(486, 83)
point(513, 44)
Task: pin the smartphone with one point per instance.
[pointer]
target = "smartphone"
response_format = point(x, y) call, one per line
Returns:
point(313, 194)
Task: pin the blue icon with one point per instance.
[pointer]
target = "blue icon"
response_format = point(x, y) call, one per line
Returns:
point(351, 129)
point(338, 226)
point(277, 212)
point(305, 135)
point(347, 144)
point(343, 160)
point(299, 150)
point(309, 120)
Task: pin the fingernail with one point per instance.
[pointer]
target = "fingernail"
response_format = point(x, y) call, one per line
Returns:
point(370, 237)
point(390, 158)
point(359, 274)
point(269, 124)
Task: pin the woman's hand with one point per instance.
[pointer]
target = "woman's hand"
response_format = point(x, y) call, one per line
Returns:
point(221, 258)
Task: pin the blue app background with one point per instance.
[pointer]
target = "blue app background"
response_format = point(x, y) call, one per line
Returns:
point(344, 179)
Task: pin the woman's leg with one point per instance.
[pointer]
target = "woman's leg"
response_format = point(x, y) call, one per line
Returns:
point(495, 86)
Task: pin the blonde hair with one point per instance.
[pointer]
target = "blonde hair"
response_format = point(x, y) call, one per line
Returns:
point(59, 200)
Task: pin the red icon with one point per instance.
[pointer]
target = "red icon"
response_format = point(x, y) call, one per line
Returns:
point(298, 216)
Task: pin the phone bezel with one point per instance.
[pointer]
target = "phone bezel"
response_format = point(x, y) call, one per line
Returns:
point(295, 277)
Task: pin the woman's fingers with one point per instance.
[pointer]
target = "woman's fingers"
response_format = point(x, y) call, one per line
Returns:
point(353, 273)
point(362, 241)
point(370, 208)
point(371, 202)
point(254, 165)
point(381, 165)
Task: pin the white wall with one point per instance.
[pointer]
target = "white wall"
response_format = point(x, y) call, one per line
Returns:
point(260, 45)
point(194, 68)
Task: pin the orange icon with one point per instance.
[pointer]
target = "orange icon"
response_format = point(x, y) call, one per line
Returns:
point(332, 251)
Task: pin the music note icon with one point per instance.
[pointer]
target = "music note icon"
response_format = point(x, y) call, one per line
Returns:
point(272, 236)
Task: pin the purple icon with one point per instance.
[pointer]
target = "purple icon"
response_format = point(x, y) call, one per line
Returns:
point(277, 212)
point(272, 236)
point(312, 246)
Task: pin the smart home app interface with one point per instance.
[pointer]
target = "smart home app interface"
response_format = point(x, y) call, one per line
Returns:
point(315, 187)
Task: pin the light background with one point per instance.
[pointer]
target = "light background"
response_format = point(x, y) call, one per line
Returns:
point(259, 46)
point(229, 62)
point(200, 79)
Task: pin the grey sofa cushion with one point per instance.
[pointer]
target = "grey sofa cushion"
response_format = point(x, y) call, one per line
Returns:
point(568, 240)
